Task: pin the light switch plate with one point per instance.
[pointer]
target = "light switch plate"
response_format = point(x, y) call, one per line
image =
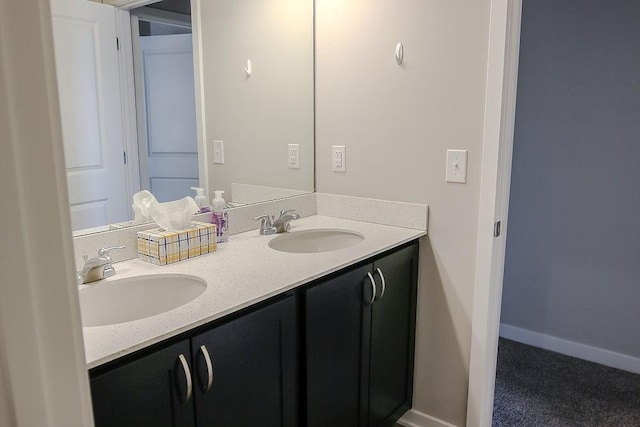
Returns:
point(457, 166)
point(338, 158)
point(218, 152)
point(294, 156)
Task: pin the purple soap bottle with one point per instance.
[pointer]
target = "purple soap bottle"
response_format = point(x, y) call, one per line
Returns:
point(219, 216)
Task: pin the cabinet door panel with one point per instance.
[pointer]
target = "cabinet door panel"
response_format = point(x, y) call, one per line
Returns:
point(255, 370)
point(146, 392)
point(337, 321)
point(392, 338)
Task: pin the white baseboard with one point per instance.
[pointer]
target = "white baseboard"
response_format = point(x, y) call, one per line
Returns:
point(415, 418)
point(571, 348)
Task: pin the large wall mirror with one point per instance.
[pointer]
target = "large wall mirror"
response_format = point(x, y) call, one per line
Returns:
point(174, 94)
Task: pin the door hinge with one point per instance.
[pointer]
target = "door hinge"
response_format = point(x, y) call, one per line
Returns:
point(124, 155)
point(117, 43)
point(496, 229)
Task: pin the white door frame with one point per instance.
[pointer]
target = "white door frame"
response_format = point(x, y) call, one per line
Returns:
point(128, 100)
point(162, 17)
point(42, 352)
point(196, 33)
point(499, 121)
point(130, 4)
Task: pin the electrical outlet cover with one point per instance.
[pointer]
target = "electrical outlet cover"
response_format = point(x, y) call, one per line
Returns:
point(338, 158)
point(294, 156)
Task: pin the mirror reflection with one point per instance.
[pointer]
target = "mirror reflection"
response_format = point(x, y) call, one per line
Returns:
point(220, 97)
point(258, 96)
point(165, 99)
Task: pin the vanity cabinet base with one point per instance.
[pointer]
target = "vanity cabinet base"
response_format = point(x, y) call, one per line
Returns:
point(337, 352)
point(249, 377)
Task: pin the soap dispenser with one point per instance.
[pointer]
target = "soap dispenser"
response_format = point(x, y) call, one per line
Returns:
point(201, 200)
point(219, 216)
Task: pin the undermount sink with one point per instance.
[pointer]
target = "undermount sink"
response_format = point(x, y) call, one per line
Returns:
point(314, 241)
point(124, 300)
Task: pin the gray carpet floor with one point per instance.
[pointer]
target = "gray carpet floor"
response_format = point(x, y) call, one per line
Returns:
point(536, 387)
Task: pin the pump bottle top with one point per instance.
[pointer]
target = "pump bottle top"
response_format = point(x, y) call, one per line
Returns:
point(201, 199)
point(218, 202)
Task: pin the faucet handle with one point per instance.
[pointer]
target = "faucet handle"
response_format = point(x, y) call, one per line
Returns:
point(105, 251)
point(266, 224)
point(265, 220)
point(108, 268)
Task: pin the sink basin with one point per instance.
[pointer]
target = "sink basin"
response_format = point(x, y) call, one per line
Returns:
point(314, 241)
point(124, 300)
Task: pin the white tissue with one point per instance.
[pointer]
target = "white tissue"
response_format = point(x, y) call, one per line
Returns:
point(142, 201)
point(176, 215)
point(171, 216)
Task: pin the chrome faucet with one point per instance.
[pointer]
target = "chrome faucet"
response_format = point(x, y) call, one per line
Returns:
point(97, 268)
point(266, 224)
point(281, 224)
point(269, 225)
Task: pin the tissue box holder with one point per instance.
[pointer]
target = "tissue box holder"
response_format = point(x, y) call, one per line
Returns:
point(161, 247)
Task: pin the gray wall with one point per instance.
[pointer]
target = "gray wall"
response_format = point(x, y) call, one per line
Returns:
point(573, 248)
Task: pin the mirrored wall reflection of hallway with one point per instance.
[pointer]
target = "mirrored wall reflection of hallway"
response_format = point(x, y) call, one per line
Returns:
point(569, 351)
point(165, 99)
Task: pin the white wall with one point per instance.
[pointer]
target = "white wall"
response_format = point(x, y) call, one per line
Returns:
point(257, 117)
point(397, 122)
point(572, 267)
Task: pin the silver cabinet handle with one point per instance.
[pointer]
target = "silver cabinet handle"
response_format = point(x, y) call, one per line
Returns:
point(207, 360)
point(187, 375)
point(373, 288)
point(384, 284)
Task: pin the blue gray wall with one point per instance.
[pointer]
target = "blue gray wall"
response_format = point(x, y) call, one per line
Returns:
point(573, 247)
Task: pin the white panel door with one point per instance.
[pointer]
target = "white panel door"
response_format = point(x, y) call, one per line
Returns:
point(169, 162)
point(88, 86)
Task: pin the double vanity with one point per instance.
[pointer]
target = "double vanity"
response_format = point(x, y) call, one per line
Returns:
point(314, 327)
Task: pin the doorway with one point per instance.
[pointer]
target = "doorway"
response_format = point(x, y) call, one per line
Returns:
point(165, 99)
point(571, 256)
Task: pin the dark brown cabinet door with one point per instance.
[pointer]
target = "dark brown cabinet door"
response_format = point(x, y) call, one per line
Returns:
point(151, 391)
point(337, 325)
point(246, 370)
point(360, 354)
point(392, 337)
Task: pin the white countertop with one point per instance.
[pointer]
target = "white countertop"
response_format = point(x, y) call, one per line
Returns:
point(242, 272)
